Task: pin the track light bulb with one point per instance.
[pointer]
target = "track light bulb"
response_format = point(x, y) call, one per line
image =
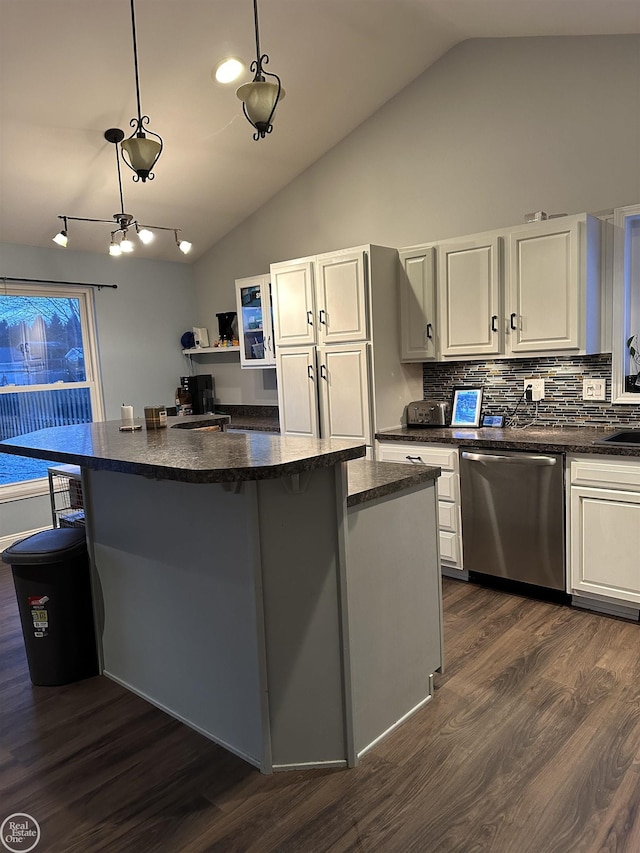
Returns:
point(183, 245)
point(114, 249)
point(125, 244)
point(145, 235)
point(61, 239)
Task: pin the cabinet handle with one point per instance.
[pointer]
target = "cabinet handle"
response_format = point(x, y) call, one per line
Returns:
point(310, 372)
point(494, 319)
point(415, 459)
point(310, 318)
point(512, 322)
point(429, 331)
point(322, 314)
point(269, 344)
point(323, 372)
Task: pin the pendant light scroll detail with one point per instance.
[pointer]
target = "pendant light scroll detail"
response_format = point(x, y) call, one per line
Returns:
point(260, 97)
point(139, 152)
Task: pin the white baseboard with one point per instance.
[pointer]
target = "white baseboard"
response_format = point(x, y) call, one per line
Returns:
point(6, 541)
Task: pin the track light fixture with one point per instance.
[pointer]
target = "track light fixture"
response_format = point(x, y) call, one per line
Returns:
point(120, 241)
point(183, 245)
point(260, 97)
point(139, 152)
point(62, 238)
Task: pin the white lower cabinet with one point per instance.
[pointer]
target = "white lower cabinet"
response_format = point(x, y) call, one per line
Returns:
point(449, 514)
point(604, 528)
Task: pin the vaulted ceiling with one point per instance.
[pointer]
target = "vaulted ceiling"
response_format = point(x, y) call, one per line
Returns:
point(66, 75)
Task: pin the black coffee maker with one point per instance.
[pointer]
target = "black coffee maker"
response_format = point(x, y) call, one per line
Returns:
point(225, 325)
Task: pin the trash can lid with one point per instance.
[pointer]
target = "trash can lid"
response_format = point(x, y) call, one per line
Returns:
point(48, 546)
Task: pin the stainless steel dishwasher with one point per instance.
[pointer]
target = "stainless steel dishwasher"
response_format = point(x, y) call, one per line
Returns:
point(513, 516)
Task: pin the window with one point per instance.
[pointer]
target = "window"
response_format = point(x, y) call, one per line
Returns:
point(626, 305)
point(48, 372)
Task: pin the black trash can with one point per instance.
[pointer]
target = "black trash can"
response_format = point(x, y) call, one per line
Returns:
point(53, 586)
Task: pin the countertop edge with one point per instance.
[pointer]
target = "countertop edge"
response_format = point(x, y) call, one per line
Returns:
point(182, 455)
point(369, 480)
point(583, 440)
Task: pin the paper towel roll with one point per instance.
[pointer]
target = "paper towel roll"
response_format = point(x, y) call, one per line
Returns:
point(126, 414)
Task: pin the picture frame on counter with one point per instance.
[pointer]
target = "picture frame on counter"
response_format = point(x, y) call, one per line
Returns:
point(465, 407)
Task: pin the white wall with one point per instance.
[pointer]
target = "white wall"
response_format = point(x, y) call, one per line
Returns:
point(139, 328)
point(493, 130)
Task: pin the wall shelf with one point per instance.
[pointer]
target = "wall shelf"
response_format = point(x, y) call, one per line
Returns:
point(199, 350)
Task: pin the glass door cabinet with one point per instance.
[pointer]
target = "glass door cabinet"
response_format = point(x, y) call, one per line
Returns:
point(255, 322)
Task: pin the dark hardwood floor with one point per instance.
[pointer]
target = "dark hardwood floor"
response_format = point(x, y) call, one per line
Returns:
point(531, 745)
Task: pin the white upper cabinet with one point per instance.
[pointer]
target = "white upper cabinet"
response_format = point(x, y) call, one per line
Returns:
point(294, 312)
point(552, 285)
point(418, 322)
point(469, 291)
point(341, 297)
point(528, 290)
point(321, 300)
point(255, 329)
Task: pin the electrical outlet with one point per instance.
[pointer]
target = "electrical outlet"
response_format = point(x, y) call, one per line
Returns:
point(594, 389)
point(537, 389)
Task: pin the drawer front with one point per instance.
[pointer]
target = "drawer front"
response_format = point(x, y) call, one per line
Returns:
point(450, 548)
point(449, 486)
point(448, 516)
point(417, 453)
point(620, 473)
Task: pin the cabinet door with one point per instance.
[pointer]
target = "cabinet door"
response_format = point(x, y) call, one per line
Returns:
point(293, 303)
point(341, 297)
point(544, 286)
point(253, 301)
point(469, 279)
point(418, 305)
point(344, 383)
point(297, 391)
point(605, 543)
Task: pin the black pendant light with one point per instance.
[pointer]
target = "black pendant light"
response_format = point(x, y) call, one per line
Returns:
point(260, 97)
point(139, 152)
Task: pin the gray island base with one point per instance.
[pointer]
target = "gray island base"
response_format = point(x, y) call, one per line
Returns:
point(287, 606)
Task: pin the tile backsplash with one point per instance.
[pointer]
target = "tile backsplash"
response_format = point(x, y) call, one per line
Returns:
point(503, 383)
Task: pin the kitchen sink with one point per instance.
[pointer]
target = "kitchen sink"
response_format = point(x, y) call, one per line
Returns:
point(626, 437)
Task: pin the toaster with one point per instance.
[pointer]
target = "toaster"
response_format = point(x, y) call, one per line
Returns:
point(427, 413)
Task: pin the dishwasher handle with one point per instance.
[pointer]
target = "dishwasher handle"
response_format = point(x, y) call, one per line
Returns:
point(521, 458)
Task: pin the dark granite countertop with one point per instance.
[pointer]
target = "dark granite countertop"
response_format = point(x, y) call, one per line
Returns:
point(251, 422)
point(260, 418)
point(369, 480)
point(546, 439)
point(187, 455)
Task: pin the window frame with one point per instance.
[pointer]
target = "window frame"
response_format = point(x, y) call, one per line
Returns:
point(93, 381)
point(623, 299)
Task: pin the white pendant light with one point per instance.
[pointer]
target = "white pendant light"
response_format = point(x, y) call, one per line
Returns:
point(142, 153)
point(260, 97)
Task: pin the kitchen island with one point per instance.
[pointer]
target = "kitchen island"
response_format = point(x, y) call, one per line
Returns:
point(244, 588)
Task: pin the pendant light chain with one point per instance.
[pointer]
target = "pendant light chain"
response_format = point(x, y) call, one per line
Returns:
point(258, 56)
point(119, 180)
point(135, 63)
